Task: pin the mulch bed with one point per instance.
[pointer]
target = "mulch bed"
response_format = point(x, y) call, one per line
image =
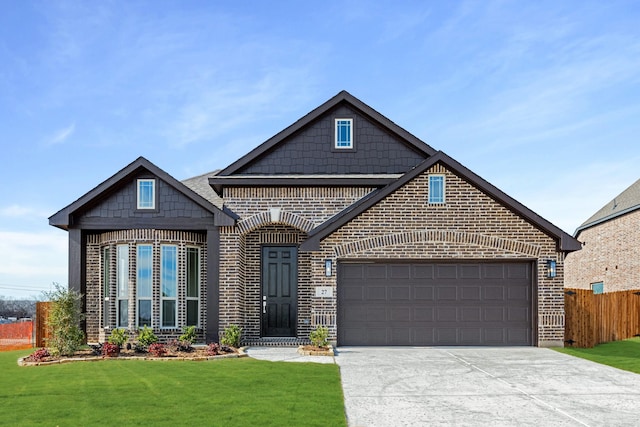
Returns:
point(87, 355)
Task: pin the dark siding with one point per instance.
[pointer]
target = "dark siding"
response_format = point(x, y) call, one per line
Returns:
point(310, 151)
point(121, 206)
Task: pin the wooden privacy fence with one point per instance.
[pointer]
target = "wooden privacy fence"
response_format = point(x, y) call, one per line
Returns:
point(16, 336)
point(591, 319)
point(42, 312)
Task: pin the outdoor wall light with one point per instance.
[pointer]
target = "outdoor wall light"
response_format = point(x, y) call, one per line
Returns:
point(328, 268)
point(551, 268)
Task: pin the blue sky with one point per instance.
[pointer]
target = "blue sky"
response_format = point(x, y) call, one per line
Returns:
point(539, 98)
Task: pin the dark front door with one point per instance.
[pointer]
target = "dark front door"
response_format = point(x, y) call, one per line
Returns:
point(279, 291)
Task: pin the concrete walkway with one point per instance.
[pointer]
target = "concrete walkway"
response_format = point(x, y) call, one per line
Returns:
point(521, 386)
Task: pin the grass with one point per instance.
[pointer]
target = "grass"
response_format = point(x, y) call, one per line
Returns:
point(619, 354)
point(131, 393)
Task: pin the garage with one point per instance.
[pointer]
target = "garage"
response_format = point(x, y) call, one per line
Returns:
point(435, 303)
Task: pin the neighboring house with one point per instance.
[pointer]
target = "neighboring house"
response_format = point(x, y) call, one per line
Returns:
point(343, 219)
point(610, 257)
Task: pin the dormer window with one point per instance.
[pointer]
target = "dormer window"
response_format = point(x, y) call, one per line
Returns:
point(344, 134)
point(146, 194)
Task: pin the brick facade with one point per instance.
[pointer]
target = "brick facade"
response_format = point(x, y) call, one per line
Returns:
point(469, 226)
point(97, 330)
point(610, 254)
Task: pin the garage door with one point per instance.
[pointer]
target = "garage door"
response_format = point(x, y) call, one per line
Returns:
point(444, 303)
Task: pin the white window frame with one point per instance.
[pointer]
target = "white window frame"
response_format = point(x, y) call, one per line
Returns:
point(162, 285)
point(144, 298)
point(106, 285)
point(198, 284)
point(122, 285)
point(140, 202)
point(337, 143)
point(430, 196)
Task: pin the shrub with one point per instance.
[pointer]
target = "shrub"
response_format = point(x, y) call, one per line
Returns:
point(146, 337)
point(213, 349)
point(188, 334)
point(157, 349)
point(118, 337)
point(179, 345)
point(231, 336)
point(38, 355)
point(110, 349)
point(96, 349)
point(63, 321)
point(319, 336)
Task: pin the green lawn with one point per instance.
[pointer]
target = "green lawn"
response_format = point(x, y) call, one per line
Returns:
point(230, 392)
point(619, 354)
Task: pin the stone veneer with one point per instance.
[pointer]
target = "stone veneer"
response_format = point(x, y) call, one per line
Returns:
point(469, 226)
point(96, 331)
point(610, 254)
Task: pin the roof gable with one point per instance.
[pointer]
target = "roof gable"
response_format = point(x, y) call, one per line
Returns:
point(565, 241)
point(381, 146)
point(141, 166)
point(623, 203)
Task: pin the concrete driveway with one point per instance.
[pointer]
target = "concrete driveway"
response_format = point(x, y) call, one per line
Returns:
point(412, 386)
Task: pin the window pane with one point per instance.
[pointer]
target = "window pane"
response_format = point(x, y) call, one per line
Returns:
point(343, 133)
point(192, 312)
point(145, 268)
point(169, 313)
point(106, 256)
point(123, 313)
point(123, 271)
point(144, 313)
point(193, 272)
point(145, 194)
point(436, 189)
point(169, 271)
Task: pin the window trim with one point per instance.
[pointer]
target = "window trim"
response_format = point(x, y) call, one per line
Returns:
point(431, 199)
point(162, 284)
point(146, 298)
point(154, 193)
point(352, 145)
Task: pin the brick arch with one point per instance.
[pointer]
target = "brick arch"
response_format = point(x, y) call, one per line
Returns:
point(444, 236)
point(274, 217)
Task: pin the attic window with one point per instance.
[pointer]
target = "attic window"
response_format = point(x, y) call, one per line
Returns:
point(344, 134)
point(146, 194)
point(436, 189)
point(597, 288)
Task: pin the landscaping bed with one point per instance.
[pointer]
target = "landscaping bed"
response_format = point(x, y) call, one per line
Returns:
point(198, 353)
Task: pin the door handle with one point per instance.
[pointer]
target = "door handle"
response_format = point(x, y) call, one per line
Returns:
point(264, 305)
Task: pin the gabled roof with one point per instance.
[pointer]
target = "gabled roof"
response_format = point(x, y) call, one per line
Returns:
point(343, 96)
point(566, 242)
point(62, 218)
point(623, 203)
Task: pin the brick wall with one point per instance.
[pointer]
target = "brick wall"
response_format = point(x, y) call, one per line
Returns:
point(470, 225)
point(96, 330)
point(610, 254)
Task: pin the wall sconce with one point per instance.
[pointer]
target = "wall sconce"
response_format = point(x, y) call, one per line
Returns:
point(551, 268)
point(328, 267)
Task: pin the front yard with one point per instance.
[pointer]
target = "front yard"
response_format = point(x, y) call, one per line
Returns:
point(619, 354)
point(126, 392)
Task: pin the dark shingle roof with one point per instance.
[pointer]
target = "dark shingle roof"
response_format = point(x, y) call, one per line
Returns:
point(625, 202)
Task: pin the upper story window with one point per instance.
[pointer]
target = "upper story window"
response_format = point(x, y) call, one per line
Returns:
point(344, 134)
point(436, 189)
point(146, 194)
point(597, 288)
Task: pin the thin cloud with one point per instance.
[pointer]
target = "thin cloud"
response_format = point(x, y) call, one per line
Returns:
point(40, 257)
point(22, 212)
point(61, 135)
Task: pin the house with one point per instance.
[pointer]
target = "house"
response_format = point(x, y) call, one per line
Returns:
point(610, 257)
point(343, 219)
